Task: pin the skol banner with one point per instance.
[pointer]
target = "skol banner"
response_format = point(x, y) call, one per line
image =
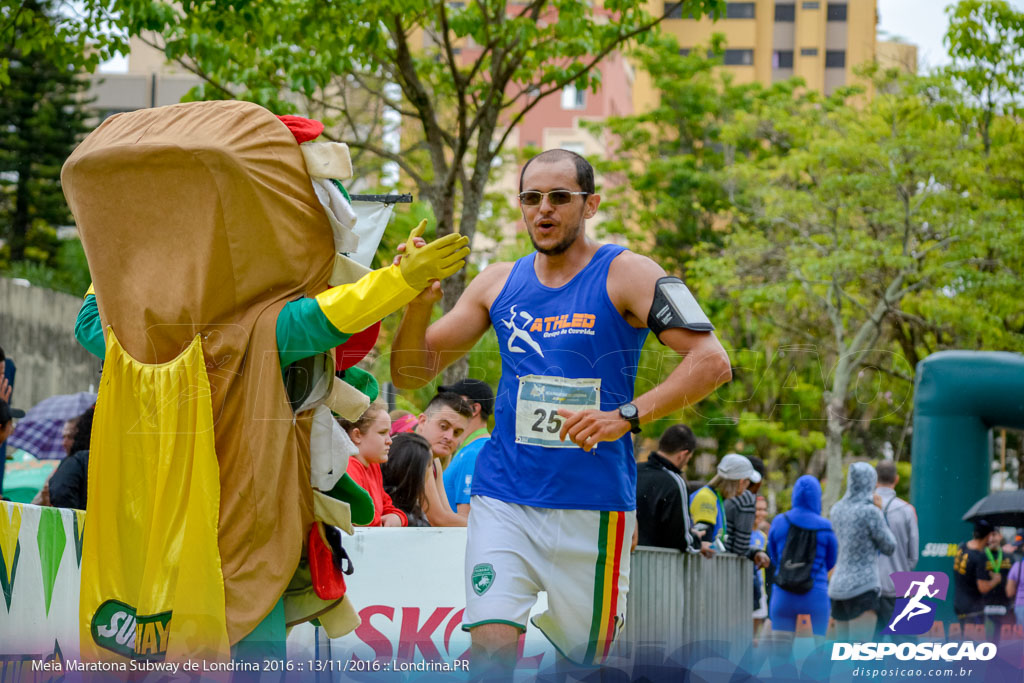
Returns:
point(409, 589)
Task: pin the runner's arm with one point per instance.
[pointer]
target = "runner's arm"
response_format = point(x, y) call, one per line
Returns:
point(421, 350)
point(705, 365)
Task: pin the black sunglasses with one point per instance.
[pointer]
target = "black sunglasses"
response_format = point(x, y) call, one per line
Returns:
point(556, 197)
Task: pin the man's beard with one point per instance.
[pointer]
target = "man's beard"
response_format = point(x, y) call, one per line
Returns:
point(560, 247)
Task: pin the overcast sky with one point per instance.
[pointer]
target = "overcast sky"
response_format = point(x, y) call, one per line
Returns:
point(921, 22)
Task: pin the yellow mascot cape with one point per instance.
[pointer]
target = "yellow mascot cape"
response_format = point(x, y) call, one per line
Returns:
point(199, 222)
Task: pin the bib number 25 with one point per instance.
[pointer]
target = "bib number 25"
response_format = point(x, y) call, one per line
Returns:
point(540, 398)
point(548, 421)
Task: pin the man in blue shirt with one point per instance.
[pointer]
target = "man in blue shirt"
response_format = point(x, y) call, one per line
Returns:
point(458, 477)
point(554, 496)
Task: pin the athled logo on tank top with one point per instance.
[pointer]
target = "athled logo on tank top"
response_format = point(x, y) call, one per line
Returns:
point(524, 328)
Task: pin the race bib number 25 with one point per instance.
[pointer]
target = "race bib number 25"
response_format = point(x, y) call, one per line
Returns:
point(540, 398)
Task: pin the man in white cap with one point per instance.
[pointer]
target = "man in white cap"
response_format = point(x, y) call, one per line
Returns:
point(707, 509)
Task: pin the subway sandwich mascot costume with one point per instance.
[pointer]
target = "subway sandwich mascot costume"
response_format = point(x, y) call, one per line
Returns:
point(216, 236)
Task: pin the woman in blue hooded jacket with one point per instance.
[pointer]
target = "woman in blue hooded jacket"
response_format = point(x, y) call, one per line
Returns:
point(785, 606)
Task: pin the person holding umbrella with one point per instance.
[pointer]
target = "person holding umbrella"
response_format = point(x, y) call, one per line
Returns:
point(974, 575)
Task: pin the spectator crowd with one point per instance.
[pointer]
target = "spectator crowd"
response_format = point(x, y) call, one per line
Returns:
point(834, 570)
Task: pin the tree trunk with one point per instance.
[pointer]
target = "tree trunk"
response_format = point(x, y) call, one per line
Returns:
point(452, 289)
point(835, 427)
point(472, 197)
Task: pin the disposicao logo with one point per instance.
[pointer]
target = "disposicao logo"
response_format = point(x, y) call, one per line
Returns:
point(914, 613)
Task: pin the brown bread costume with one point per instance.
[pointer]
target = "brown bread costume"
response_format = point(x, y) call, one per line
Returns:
point(200, 219)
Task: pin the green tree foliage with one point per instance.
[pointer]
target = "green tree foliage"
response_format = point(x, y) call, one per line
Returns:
point(461, 76)
point(834, 246)
point(674, 155)
point(69, 274)
point(42, 118)
point(678, 197)
point(986, 43)
point(58, 31)
point(876, 216)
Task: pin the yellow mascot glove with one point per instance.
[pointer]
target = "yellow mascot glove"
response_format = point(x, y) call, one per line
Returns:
point(435, 261)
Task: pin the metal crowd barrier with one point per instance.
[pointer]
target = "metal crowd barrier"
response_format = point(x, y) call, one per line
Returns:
point(678, 598)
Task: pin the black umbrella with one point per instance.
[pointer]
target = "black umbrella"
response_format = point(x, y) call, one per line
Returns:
point(1002, 508)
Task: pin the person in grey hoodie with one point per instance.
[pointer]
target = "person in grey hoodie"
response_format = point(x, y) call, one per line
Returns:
point(862, 533)
point(902, 520)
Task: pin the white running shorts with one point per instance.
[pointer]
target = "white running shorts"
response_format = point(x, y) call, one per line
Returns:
point(579, 557)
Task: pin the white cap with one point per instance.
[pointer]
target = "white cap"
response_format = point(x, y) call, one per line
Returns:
point(736, 466)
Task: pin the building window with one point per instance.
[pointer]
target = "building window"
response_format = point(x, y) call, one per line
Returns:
point(782, 59)
point(575, 147)
point(811, 4)
point(572, 98)
point(808, 52)
point(835, 58)
point(739, 57)
point(673, 10)
point(837, 11)
point(785, 11)
point(684, 52)
point(739, 10)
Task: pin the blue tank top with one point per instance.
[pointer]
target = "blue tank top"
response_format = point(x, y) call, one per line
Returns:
point(562, 347)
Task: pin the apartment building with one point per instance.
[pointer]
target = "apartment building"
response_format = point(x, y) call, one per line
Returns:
point(149, 81)
point(767, 41)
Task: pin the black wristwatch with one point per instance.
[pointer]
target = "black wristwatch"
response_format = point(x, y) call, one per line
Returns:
point(629, 413)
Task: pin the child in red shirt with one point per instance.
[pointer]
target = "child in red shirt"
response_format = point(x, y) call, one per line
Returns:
point(370, 435)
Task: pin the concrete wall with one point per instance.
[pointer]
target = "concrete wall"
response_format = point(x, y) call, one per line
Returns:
point(37, 331)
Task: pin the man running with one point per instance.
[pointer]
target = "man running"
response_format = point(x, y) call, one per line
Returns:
point(554, 494)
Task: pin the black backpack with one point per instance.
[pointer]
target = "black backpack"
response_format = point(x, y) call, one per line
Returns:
point(794, 571)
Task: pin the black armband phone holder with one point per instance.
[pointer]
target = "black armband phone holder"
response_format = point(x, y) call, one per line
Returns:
point(675, 306)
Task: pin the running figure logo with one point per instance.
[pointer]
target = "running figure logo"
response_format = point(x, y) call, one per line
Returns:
point(520, 334)
point(914, 613)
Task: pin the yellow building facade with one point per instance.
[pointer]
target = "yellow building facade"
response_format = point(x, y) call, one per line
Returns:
point(772, 40)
